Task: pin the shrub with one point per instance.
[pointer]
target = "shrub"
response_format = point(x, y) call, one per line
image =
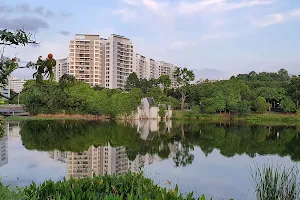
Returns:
point(128, 186)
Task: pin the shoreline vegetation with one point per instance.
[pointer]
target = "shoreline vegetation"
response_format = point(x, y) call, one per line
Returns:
point(129, 186)
point(271, 118)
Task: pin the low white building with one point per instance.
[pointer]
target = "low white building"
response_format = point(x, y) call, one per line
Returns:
point(148, 110)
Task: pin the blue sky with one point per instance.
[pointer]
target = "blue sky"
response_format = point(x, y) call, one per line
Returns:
point(223, 37)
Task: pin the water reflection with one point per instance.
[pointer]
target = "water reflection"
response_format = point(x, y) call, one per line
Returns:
point(101, 160)
point(200, 156)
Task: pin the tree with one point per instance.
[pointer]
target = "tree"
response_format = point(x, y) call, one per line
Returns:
point(184, 78)
point(162, 112)
point(43, 67)
point(288, 105)
point(164, 81)
point(132, 81)
point(67, 80)
point(243, 107)
point(8, 65)
point(260, 105)
point(293, 89)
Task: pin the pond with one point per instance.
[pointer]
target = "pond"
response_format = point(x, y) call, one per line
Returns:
point(211, 159)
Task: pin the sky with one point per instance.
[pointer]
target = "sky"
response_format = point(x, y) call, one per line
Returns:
point(217, 38)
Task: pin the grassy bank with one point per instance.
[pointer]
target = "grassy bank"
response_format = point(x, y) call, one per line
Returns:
point(108, 187)
point(264, 118)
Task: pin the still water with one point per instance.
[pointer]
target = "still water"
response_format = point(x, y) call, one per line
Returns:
point(214, 159)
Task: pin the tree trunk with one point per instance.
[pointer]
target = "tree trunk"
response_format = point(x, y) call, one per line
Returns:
point(182, 101)
point(297, 103)
point(182, 132)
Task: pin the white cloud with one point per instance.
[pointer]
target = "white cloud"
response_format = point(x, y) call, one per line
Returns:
point(218, 5)
point(277, 18)
point(211, 37)
point(190, 8)
point(272, 19)
point(155, 5)
point(295, 13)
point(179, 44)
point(245, 4)
point(126, 14)
point(132, 2)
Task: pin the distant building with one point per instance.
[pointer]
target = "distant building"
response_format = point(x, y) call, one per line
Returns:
point(16, 84)
point(61, 68)
point(201, 80)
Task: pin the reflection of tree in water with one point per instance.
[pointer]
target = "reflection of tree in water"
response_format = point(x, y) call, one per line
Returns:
point(78, 136)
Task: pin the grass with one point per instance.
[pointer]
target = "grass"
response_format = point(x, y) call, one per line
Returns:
point(252, 118)
point(275, 183)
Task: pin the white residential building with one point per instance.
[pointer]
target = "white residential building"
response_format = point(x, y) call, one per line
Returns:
point(109, 62)
point(167, 69)
point(61, 68)
point(142, 69)
point(85, 58)
point(120, 61)
point(16, 84)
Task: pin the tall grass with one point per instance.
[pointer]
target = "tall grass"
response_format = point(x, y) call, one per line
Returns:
point(276, 183)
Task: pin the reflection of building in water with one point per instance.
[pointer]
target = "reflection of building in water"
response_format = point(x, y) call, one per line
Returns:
point(101, 160)
point(141, 161)
point(4, 150)
point(61, 156)
point(12, 130)
point(149, 127)
point(98, 161)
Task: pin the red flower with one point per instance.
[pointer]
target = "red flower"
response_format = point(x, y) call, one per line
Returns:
point(50, 56)
point(40, 57)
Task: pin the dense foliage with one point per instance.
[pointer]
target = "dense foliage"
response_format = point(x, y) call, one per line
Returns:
point(256, 92)
point(108, 187)
point(72, 97)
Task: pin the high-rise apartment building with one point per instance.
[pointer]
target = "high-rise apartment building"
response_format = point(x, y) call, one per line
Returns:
point(119, 61)
point(142, 68)
point(109, 62)
point(167, 69)
point(61, 68)
point(85, 58)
